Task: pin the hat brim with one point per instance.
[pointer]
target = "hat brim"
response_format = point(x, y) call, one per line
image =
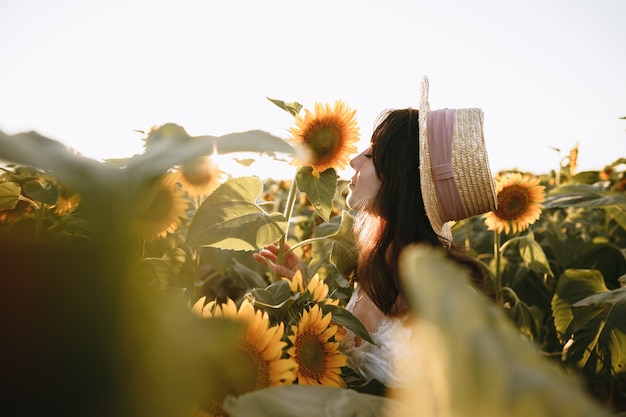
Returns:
point(470, 163)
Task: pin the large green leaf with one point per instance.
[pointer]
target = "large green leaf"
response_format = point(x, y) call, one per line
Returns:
point(533, 255)
point(528, 319)
point(230, 218)
point(344, 255)
point(173, 269)
point(43, 191)
point(583, 195)
point(312, 401)
point(333, 245)
point(606, 257)
point(276, 299)
point(32, 149)
point(599, 338)
point(573, 286)
point(170, 145)
point(9, 194)
point(462, 335)
point(174, 146)
point(319, 191)
point(348, 320)
point(618, 213)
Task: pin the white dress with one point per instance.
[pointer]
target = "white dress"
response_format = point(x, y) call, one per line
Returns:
point(392, 345)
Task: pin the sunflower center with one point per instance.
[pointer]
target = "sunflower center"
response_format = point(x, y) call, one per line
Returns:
point(512, 202)
point(248, 370)
point(310, 356)
point(324, 139)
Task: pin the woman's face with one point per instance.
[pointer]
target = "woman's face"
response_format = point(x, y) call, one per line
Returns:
point(365, 183)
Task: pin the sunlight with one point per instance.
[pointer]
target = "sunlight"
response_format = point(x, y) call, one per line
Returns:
point(243, 164)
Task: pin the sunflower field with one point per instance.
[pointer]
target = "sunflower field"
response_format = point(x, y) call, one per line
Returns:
point(129, 287)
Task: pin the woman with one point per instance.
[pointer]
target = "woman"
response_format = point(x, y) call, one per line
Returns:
point(421, 170)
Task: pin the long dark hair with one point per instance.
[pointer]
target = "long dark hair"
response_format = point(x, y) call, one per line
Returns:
point(397, 217)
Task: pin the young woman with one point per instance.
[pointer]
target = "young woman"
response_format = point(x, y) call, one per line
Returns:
point(421, 170)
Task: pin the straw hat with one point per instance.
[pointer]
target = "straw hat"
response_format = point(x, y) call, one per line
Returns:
point(456, 180)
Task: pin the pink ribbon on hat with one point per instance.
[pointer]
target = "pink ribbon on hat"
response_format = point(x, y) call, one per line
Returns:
point(440, 128)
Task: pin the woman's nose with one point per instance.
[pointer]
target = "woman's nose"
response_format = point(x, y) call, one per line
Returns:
point(353, 162)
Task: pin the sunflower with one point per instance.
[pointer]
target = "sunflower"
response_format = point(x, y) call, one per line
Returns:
point(327, 136)
point(256, 361)
point(67, 202)
point(296, 283)
point(519, 203)
point(164, 211)
point(316, 287)
point(314, 348)
point(199, 177)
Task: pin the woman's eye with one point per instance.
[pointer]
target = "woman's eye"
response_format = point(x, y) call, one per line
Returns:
point(368, 155)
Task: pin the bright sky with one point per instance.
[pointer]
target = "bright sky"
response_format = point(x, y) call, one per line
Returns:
point(547, 73)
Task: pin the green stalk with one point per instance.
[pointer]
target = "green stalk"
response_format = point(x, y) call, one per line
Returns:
point(305, 242)
point(497, 253)
point(291, 198)
point(41, 212)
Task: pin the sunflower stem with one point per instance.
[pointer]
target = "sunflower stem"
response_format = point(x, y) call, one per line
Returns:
point(291, 199)
point(498, 254)
point(305, 242)
point(41, 212)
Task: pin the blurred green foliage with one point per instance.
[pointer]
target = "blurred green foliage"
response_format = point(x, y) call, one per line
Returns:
point(97, 321)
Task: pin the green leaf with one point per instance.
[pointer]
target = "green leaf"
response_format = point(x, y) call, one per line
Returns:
point(319, 191)
point(173, 269)
point(533, 255)
point(44, 192)
point(528, 319)
point(230, 218)
point(275, 299)
point(616, 299)
point(273, 295)
point(606, 257)
point(573, 285)
point(9, 195)
point(463, 335)
point(292, 108)
point(586, 177)
point(33, 149)
point(333, 245)
point(618, 213)
point(599, 337)
point(177, 147)
point(582, 195)
point(344, 255)
point(348, 320)
point(312, 401)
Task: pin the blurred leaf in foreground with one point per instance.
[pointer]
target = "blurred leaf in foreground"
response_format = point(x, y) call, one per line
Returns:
point(475, 363)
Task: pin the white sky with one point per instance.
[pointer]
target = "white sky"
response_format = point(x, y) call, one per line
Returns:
point(547, 73)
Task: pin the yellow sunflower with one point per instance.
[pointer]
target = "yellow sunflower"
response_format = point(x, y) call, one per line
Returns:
point(296, 283)
point(326, 136)
point(199, 177)
point(314, 348)
point(519, 203)
point(67, 202)
point(164, 211)
point(256, 361)
point(316, 287)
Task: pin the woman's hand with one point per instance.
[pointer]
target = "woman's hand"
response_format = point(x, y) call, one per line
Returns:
point(291, 263)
